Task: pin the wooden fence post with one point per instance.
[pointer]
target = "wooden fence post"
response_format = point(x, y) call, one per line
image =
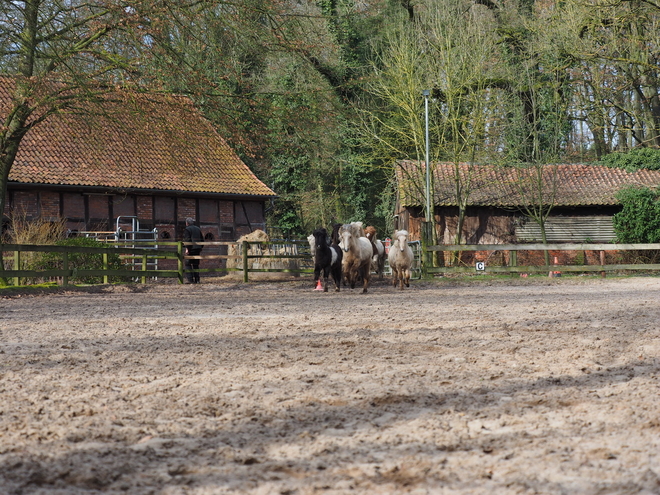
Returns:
point(65, 263)
point(105, 267)
point(602, 262)
point(144, 268)
point(179, 252)
point(17, 266)
point(246, 248)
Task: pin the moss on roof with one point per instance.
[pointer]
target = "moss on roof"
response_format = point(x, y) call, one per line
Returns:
point(131, 140)
point(507, 187)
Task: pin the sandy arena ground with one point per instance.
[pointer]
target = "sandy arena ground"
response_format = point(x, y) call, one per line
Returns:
point(507, 387)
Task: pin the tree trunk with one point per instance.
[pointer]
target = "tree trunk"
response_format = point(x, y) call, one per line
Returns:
point(544, 240)
point(10, 140)
point(6, 161)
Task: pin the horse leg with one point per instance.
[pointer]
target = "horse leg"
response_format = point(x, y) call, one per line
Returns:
point(366, 270)
point(336, 276)
point(317, 273)
point(353, 275)
point(408, 278)
point(326, 273)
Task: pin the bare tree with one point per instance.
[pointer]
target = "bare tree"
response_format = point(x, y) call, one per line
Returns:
point(53, 55)
point(59, 55)
point(452, 51)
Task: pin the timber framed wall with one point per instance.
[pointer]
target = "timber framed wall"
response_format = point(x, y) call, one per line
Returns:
point(490, 225)
point(220, 219)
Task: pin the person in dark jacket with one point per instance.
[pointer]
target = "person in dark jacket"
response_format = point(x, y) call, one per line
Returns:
point(192, 233)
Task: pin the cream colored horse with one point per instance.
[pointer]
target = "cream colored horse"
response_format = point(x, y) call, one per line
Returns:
point(357, 254)
point(401, 258)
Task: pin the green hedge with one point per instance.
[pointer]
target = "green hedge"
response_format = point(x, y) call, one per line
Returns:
point(83, 261)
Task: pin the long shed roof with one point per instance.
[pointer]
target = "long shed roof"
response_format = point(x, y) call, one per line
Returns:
point(131, 140)
point(488, 185)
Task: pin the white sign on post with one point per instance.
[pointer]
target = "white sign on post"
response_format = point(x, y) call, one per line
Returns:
point(481, 266)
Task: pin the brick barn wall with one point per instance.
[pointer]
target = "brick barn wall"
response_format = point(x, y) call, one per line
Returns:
point(226, 212)
point(98, 212)
point(26, 203)
point(186, 208)
point(166, 231)
point(50, 205)
point(145, 211)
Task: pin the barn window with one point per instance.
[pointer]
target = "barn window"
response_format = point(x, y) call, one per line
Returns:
point(123, 206)
point(249, 213)
point(164, 209)
point(73, 206)
point(208, 211)
point(98, 207)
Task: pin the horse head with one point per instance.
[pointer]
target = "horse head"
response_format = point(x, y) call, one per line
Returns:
point(345, 236)
point(401, 236)
point(320, 237)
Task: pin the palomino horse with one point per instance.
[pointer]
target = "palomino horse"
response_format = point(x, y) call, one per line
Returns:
point(357, 254)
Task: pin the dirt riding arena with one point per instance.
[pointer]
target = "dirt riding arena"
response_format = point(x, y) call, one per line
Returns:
point(508, 387)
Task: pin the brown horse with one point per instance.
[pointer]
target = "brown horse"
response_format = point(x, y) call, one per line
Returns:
point(378, 259)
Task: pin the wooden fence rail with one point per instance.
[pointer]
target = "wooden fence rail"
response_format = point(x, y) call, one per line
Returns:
point(514, 249)
point(144, 257)
point(139, 259)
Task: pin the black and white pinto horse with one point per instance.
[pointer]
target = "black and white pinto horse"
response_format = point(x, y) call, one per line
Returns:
point(327, 258)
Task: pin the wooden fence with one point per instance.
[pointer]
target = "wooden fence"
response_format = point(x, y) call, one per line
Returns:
point(513, 250)
point(142, 263)
point(138, 267)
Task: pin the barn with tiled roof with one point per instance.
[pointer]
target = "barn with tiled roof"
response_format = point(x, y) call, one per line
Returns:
point(153, 158)
point(582, 196)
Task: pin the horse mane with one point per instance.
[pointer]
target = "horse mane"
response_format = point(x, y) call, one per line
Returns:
point(335, 233)
point(356, 229)
point(371, 232)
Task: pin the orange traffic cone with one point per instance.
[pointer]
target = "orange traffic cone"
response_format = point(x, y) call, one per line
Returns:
point(554, 273)
point(319, 285)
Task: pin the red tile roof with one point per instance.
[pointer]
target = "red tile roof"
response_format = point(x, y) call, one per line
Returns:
point(132, 141)
point(563, 184)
